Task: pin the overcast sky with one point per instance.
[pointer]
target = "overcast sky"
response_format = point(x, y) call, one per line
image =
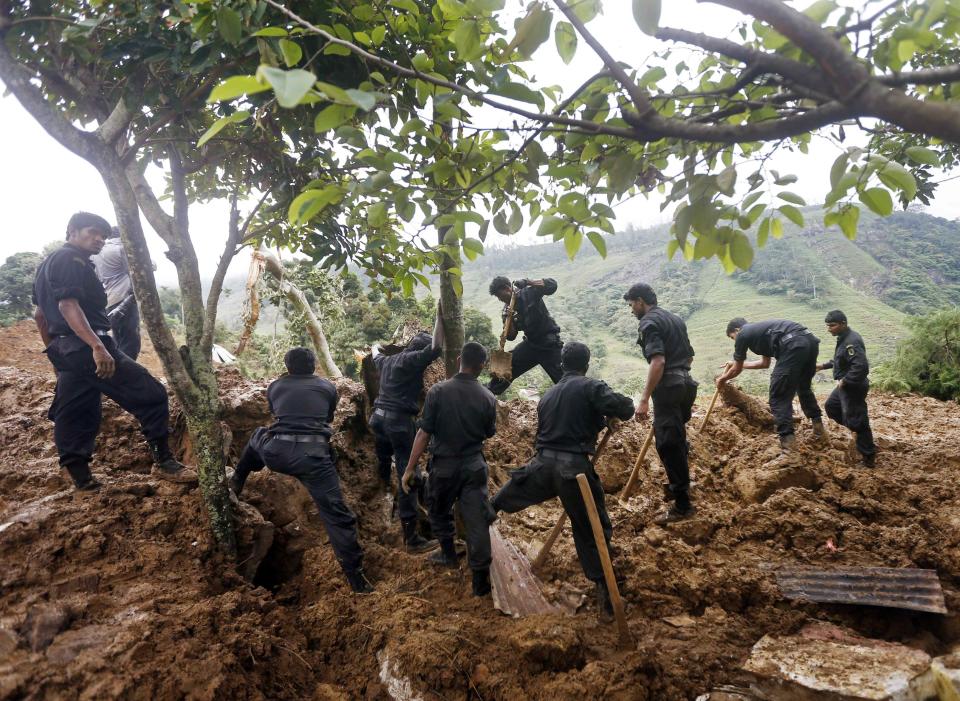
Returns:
point(42, 184)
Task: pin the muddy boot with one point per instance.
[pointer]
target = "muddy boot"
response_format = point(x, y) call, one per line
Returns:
point(681, 509)
point(787, 443)
point(167, 467)
point(83, 481)
point(359, 582)
point(602, 598)
point(819, 432)
point(446, 556)
point(869, 460)
point(481, 582)
point(414, 542)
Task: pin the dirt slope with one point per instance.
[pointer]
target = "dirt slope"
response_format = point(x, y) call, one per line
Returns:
point(123, 596)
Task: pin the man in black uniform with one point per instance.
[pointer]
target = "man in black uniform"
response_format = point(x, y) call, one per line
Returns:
point(847, 404)
point(458, 416)
point(795, 349)
point(541, 342)
point(72, 319)
point(392, 421)
point(298, 444)
point(571, 414)
point(663, 339)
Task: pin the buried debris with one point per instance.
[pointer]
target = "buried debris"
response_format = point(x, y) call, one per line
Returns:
point(516, 591)
point(891, 587)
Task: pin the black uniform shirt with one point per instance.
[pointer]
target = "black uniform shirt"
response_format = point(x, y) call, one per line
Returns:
point(302, 404)
point(68, 273)
point(530, 313)
point(664, 333)
point(459, 415)
point(401, 378)
point(574, 410)
point(849, 362)
point(763, 337)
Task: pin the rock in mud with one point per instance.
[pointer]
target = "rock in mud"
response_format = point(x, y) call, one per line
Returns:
point(756, 485)
point(43, 623)
point(70, 645)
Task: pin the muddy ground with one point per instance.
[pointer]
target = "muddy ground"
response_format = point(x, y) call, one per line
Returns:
point(124, 596)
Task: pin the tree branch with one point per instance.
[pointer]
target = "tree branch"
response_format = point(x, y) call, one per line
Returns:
point(925, 76)
point(159, 220)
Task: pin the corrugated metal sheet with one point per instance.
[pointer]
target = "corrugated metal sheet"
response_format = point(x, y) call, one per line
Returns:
point(516, 591)
point(891, 587)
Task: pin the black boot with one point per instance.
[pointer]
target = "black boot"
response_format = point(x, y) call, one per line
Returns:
point(869, 460)
point(680, 509)
point(414, 542)
point(787, 443)
point(481, 582)
point(359, 582)
point(166, 466)
point(602, 598)
point(83, 480)
point(446, 556)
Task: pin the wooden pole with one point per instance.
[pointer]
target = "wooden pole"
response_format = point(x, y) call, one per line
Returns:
point(709, 411)
point(635, 474)
point(508, 321)
point(618, 612)
point(562, 521)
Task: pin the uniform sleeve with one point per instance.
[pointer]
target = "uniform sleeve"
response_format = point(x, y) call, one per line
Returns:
point(491, 427)
point(334, 400)
point(431, 406)
point(270, 392)
point(828, 365)
point(65, 275)
point(652, 341)
point(378, 361)
point(857, 366)
point(610, 403)
point(740, 347)
point(421, 359)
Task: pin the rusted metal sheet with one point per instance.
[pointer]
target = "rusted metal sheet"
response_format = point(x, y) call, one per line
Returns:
point(516, 590)
point(891, 587)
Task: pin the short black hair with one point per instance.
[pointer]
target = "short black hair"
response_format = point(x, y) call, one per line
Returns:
point(300, 361)
point(735, 324)
point(641, 291)
point(473, 355)
point(575, 356)
point(498, 283)
point(835, 317)
point(82, 220)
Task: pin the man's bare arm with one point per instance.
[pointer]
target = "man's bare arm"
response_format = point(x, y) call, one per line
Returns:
point(77, 321)
point(41, 322)
point(419, 446)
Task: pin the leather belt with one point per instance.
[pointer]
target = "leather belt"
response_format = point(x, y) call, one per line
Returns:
point(794, 334)
point(391, 414)
point(461, 456)
point(99, 332)
point(300, 438)
point(560, 454)
point(677, 371)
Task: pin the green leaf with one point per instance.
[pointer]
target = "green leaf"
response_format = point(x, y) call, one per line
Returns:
point(849, 216)
point(331, 117)
point(647, 15)
point(335, 93)
point(466, 37)
point(550, 225)
point(566, 37)
point(407, 285)
point(727, 180)
point(292, 53)
point(572, 241)
point(878, 200)
point(926, 156)
point(776, 228)
point(792, 213)
point(672, 246)
point(220, 124)
point(750, 199)
point(378, 34)
point(763, 232)
point(586, 10)
point(271, 32)
point(518, 91)
point(472, 248)
point(229, 24)
point(311, 202)
point(289, 86)
point(598, 242)
point(532, 30)
point(791, 197)
point(741, 252)
point(837, 170)
point(377, 214)
point(905, 49)
point(364, 100)
point(235, 87)
point(896, 176)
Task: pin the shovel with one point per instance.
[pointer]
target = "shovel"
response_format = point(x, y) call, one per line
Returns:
point(501, 361)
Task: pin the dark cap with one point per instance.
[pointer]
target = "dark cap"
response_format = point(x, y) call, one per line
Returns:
point(835, 317)
point(575, 356)
point(641, 291)
point(300, 361)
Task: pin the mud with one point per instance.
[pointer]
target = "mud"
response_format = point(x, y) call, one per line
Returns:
point(124, 596)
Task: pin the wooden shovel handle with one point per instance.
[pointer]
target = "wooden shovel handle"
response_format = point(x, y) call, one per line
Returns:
point(508, 321)
point(709, 411)
point(635, 473)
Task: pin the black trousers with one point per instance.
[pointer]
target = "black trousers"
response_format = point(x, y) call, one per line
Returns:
point(792, 377)
point(312, 465)
point(393, 440)
point(542, 479)
point(672, 406)
point(76, 407)
point(126, 330)
point(462, 480)
point(525, 356)
point(847, 406)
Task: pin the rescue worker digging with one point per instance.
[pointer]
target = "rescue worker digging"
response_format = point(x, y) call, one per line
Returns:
point(392, 421)
point(541, 342)
point(570, 416)
point(847, 404)
point(458, 416)
point(71, 317)
point(666, 346)
point(795, 349)
point(298, 444)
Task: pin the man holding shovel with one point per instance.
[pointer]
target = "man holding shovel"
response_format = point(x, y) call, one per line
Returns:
point(570, 414)
point(666, 346)
point(525, 311)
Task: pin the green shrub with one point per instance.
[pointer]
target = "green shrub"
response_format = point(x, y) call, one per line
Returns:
point(928, 361)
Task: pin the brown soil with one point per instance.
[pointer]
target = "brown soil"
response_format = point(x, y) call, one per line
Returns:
point(124, 596)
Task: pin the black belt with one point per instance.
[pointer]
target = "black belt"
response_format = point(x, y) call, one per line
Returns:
point(794, 334)
point(560, 454)
point(461, 456)
point(677, 371)
point(69, 335)
point(391, 414)
point(300, 438)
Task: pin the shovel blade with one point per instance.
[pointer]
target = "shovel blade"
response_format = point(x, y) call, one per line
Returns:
point(501, 364)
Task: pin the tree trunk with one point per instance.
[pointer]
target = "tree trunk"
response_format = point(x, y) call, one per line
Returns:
point(251, 304)
point(452, 313)
point(299, 300)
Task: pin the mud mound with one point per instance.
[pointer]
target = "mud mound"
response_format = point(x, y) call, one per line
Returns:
point(123, 596)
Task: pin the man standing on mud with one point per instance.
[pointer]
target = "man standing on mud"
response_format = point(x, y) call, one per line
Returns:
point(571, 414)
point(847, 404)
point(795, 349)
point(72, 319)
point(458, 416)
point(298, 444)
point(111, 266)
point(666, 346)
point(541, 342)
point(392, 421)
